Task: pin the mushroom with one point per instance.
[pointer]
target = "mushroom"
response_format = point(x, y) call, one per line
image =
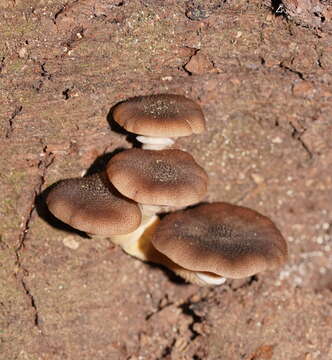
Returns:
point(215, 241)
point(158, 118)
point(93, 205)
point(166, 177)
point(155, 179)
point(209, 243)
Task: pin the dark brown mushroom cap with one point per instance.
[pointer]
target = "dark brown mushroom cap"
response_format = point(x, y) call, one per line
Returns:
point(92, 204)
point(228, 240)
point(164, 115)
point(166, 177)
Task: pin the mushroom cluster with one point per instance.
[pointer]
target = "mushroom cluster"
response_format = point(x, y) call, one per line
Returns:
point(204, 244)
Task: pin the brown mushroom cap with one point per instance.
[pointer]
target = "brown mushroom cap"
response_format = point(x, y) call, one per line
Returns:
point(163, 115)
point(220, 238)
point(166, 177)
point(92, 204)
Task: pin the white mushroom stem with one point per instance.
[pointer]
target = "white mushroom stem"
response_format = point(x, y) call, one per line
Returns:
point(210, 278)
point(137, 243)
point(155, 143)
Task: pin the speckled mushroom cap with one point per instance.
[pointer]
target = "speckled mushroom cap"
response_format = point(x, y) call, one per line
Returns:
point(163, 115)
point(220, 238)
point(92, 204)
point(166, 177)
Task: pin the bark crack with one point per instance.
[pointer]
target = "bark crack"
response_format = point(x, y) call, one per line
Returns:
point(10, 121)
point(188, 308)
point(45, 75)
point(65, 7)
point(43, 164)
point(2, 63)
point(163, 303)
point(32, 302)
point(21, 273)
point(297, 135)
point(288, 69)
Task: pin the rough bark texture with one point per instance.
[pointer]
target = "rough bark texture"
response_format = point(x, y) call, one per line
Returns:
point(264, 83)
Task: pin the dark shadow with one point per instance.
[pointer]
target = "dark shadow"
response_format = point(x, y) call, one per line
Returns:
point(278, 7)
point(162, 213)
point(130, 137)
point(236, 284)
point(101, 161)
point(193, 206)
point(172, 277)
point(46, 215)
point(188, 308)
